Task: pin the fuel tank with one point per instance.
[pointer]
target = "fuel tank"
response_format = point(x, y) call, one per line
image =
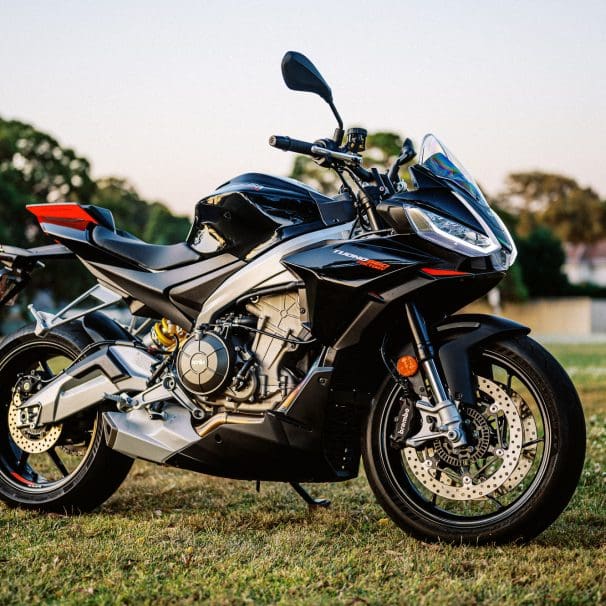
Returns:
point(253, 212)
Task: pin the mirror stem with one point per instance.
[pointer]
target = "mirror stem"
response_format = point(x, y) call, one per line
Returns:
point(338, 136)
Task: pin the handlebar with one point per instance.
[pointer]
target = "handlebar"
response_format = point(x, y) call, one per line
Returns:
point(335, 157)
point(317, 149)
point(293, 145)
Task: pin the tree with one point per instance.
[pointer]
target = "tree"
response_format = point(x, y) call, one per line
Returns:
point(541, 257)
point(36, 168)
point(163, 227)
point(573, 213)
point(382, 148)
point(512, 286)
point(151, 221)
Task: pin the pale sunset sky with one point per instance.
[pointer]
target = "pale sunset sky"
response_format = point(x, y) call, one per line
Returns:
point(180, 96)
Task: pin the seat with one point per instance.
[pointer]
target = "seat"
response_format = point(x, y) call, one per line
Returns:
point(150, 256)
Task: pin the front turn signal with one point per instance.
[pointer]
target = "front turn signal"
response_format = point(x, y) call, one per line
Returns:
point(407, 366)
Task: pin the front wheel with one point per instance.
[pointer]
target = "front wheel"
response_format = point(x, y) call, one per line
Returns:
point(526, 437)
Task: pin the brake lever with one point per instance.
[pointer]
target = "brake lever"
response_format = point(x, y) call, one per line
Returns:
point(346, 157)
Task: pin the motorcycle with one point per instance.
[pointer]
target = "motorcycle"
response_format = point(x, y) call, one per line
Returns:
point(291, 336)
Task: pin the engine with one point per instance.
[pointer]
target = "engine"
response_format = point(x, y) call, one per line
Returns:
point(248, 361)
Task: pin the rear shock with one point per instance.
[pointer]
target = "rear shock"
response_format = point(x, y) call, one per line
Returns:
point(165, 335)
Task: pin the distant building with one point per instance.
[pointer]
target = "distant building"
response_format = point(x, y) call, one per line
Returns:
point(586, 263)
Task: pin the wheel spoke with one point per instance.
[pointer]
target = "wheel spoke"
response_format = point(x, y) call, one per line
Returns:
point(496, 501)
point(52, 453)
point(509, 380)
point(487, 463)
point(532, 443)
point(434, 496)
point(46, 368)
point(22, 461)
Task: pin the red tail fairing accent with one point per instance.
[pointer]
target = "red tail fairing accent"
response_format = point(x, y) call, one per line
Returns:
point(68, 215)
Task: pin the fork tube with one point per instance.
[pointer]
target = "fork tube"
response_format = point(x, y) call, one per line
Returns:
point(425, 351)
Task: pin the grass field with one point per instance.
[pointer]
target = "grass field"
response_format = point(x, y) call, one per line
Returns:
point(175, 537)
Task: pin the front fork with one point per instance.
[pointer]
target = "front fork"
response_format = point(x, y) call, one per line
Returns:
point(444, 409)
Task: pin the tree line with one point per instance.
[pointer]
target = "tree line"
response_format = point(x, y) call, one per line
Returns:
point(36, 168)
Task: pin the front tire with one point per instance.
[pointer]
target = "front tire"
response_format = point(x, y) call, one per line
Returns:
point(71, 469)
point(434, 505)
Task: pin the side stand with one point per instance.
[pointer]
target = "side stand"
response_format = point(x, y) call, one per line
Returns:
point(308, 498)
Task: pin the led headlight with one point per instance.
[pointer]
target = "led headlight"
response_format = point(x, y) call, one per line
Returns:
point(450, 234)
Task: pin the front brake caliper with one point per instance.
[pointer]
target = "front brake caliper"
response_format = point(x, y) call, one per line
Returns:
point(403, 423)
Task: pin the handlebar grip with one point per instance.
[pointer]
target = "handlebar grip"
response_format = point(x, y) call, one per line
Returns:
point(293, 145)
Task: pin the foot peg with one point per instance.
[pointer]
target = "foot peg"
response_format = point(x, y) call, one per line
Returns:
point(313, 503)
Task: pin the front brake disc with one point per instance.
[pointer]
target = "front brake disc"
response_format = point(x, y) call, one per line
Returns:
point(450, 483)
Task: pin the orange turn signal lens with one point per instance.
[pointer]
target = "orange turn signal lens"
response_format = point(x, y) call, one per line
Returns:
point(407, 366)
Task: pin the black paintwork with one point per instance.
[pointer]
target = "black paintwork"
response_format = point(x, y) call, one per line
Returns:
point(457, 336)
point(344, 297)
point(252, 212)
point(315, 440)
point(169, 293)
point(352, 292)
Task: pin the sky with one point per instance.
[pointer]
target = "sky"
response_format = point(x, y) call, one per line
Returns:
point(180, 96)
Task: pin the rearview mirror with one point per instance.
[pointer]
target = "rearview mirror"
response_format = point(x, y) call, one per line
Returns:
point(300, 73)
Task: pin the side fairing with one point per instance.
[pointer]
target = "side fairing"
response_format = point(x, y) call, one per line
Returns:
point(341, 278)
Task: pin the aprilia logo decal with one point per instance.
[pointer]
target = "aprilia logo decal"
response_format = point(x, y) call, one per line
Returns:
point(378, 265)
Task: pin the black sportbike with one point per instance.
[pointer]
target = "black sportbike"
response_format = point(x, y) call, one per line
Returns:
point(290, 336)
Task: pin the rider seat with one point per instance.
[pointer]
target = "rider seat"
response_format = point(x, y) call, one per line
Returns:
point(151, 256)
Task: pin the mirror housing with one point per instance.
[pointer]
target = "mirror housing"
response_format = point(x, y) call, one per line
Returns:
point(300, 73)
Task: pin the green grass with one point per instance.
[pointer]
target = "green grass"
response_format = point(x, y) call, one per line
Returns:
point(176, 537)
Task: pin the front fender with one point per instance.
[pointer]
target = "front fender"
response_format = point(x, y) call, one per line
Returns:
point(455, 337)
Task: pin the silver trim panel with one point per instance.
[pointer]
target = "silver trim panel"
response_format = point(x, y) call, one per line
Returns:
point(266, 270)
point(58, 402)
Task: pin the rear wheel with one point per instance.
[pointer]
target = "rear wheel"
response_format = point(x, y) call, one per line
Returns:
point(61, 467)
point(526, 449)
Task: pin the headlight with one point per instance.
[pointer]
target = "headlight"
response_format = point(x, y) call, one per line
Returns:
point(450, 234)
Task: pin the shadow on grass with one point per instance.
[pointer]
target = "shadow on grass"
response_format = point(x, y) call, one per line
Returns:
point(226, 506)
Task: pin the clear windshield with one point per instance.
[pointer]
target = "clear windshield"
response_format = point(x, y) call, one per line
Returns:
point(436, 158)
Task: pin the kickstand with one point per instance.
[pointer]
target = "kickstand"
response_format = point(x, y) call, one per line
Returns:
point(308, 498)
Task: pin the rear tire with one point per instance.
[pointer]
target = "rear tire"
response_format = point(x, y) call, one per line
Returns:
point(539, 503)
point(100, 471)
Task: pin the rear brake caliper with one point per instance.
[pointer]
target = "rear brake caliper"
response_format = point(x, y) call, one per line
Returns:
point(23, 418)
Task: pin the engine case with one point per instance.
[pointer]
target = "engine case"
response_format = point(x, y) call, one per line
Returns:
point(205, 363)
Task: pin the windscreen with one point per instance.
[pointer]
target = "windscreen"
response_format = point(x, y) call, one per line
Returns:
point(438, 160)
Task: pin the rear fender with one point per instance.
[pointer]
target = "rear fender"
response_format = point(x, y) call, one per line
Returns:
point(100, 327)
point(457, 336)
point(17, 265)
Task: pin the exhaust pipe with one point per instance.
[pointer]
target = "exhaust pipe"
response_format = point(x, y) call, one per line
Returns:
point(137, 435)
